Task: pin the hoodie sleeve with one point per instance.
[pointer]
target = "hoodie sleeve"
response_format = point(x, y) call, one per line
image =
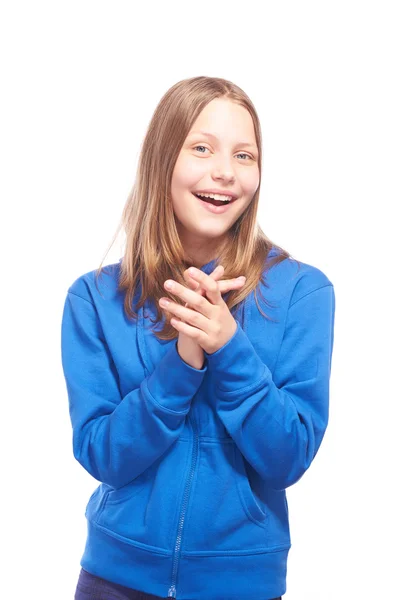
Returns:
point(278, 422)
point(115, 439)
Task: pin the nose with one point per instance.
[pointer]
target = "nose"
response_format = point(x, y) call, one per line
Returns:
point(223, 169)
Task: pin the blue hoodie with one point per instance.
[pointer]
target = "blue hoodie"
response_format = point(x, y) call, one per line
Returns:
point(193, 464)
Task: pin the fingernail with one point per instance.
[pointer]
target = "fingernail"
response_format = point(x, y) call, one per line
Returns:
point(242, 278)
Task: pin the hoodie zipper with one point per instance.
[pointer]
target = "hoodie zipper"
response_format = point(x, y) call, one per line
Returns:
point(176, 556)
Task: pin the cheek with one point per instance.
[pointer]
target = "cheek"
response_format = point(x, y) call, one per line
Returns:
point(249, 181)
point(188, 172)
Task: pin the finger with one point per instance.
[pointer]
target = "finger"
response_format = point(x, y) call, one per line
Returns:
point(224, 286)
point(231, 284)
point(216, 274)
point(192, 284)
point(195, 301)
point(209, 284)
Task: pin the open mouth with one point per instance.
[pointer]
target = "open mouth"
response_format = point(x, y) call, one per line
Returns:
point(212, 201)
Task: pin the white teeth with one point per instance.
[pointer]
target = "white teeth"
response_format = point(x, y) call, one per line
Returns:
point(220, 197)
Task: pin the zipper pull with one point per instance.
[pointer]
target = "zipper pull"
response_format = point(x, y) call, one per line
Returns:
point(172, 592)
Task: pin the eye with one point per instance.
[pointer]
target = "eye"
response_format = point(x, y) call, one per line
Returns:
point(195, 147)
point(240, 154)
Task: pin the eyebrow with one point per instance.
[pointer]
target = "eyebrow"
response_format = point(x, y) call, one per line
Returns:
point(246, 144)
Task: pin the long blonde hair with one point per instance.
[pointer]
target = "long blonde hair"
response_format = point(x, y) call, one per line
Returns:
point(154, 251)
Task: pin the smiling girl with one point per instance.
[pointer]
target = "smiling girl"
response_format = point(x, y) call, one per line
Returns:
point(195, 427)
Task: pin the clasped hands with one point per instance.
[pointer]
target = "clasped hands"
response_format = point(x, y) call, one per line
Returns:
point(210, 322)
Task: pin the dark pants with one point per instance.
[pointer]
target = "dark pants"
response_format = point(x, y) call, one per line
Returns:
point(91, 587)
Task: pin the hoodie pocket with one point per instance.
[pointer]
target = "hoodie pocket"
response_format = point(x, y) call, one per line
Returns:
point(249, 503)
point(96, 502)
point(223, 513)
point(146, 509)
point(128, 491)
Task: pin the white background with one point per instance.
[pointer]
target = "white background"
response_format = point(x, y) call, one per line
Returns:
point(80, 81)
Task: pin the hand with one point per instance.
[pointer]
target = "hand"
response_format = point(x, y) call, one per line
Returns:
point(211, 323)
point(189, 350)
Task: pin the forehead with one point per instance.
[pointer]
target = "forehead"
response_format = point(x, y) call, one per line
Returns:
point(223, 120)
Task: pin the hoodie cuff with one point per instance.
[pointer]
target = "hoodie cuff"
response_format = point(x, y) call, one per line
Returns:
point(173, 383)
point(236, 365)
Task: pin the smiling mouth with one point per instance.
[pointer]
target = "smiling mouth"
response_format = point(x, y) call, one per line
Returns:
point(214, 202)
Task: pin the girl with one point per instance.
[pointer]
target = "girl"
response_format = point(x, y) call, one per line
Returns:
point(195, 427)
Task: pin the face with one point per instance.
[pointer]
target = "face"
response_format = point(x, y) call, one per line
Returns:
point(227, 160)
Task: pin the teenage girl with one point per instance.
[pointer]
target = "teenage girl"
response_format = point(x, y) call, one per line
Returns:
point(191, 406)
